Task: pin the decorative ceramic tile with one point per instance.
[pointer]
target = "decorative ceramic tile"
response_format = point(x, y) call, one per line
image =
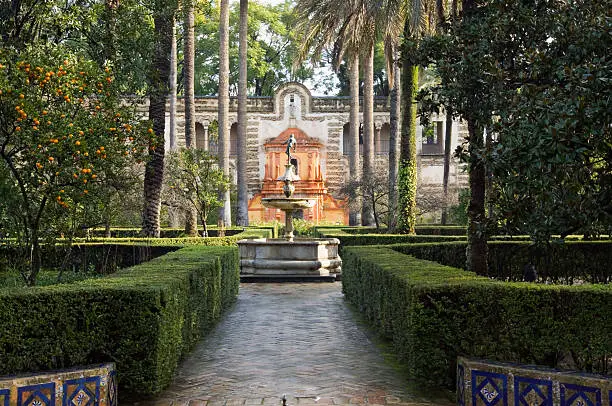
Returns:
point(578, 395)
point(460, 385)
point(532, 392)
point(489, 389)
point(112, 389)
point(5, 397)
point(82, 392)
point(36, 395)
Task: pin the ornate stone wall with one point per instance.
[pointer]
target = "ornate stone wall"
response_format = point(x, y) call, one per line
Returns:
point(326, 120)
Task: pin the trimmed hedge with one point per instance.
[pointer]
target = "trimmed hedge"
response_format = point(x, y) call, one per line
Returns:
point(589, 261)
point(349, 239)
point(106, 255)
point(433, 313)
point(132, 232)
point(143, 318)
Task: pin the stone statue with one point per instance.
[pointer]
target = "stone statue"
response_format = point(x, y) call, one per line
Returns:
point(291, 143)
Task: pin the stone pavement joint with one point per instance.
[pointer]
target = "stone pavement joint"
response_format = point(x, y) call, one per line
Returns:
point(298, 340)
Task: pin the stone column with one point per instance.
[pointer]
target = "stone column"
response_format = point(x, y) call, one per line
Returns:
point(205, 141)
point(377, 131)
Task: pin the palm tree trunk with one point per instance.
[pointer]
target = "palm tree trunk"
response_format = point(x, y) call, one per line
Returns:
point(354, 157)
point(191, 215)
point(407, 177)
point(394, 137)
point(477, 223)
point(173, 78)
point(447, 156)
point(158, 93)
point(225, 214)
point(172, 211)
point(368, 129)
point(188, 73)
point(242, 216)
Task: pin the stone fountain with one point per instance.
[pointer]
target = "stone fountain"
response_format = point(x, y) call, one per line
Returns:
point(289, 258)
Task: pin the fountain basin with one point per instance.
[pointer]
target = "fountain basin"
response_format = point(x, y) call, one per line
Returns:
point(276, 260)
point(288, 203)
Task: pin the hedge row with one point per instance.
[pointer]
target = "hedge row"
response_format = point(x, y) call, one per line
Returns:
point(420, 230)
point(433, 313)
point(143, 318)
point(569, 262)
point(131, 232)
point(349, 238)
point(106, 255)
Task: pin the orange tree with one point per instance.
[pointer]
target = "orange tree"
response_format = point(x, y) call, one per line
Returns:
point(64, 134)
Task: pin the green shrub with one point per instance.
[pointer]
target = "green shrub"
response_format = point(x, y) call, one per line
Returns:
point(433, 313)
point(348, 239)
point(567, 262)
point(143, 318)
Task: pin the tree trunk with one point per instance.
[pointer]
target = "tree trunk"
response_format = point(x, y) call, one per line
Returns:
point(477, 251)
point(173, 79)
point(489, 177)
point(191, 215)
point(242, 215)
point(447, 157)
point(354, 157)
point(158, 92)
point(35, 259)
point(225, 214)
point(407, 177)
point(368, 129)
point(394, 137)
point(172, 211)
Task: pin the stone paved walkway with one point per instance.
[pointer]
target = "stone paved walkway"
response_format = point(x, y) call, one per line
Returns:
point(295, 339)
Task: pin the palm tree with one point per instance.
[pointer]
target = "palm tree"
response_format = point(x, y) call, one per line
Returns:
point(368, 128)
point(354, 157)
point(394, 130)
point(158, 79)
point(172, 212)
point(173, 78)
point(345, 25)
point(242, 216)
point(225, 214)
point(191, 215)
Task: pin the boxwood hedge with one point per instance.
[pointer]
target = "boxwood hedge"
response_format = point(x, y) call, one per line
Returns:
point(143, 318)
point(568, 262)
point(433, 313)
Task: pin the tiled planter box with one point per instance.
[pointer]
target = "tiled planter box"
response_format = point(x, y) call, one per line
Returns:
point(499, 384)
point(89, 386)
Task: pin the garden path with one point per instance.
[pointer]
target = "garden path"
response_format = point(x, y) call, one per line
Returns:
point(301, 340)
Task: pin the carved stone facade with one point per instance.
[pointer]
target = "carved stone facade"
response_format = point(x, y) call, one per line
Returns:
point(323, 123)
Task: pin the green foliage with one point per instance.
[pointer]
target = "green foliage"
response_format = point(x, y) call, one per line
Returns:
point(65, 140)
point(458, 214)
point(349, 239)
point(272, 49)
point(552, 150)
point(143, 318)
point(194, 176)
point(433, 313)
point(303, 228)
point(562, 262)
point(407, 172)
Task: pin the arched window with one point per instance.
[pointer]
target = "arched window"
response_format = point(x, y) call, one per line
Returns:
point(201, 136)
point(234, 140)
point(382, 145)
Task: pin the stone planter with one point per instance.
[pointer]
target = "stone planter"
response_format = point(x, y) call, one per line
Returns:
point(93, 385)
point(491, 383)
